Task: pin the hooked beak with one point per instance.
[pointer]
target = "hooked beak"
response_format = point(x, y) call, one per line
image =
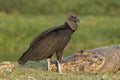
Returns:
point(78, 20)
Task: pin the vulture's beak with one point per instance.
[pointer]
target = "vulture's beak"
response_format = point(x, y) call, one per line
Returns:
point(78, 20)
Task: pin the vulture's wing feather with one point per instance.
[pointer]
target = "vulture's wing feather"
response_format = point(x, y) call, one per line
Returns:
point(42, 46)
point(45, 33)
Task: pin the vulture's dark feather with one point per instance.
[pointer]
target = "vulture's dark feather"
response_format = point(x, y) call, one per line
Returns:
point(45, 33)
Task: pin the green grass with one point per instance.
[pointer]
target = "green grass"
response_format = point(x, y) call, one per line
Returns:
point(38, 74)
point(17, 31)
point(82, 7)
point(37, 71)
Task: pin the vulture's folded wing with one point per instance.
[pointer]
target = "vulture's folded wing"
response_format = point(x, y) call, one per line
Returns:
point(45, 33)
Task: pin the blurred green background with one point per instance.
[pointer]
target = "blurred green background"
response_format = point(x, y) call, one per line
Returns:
point(22, 20)
point(53, 7)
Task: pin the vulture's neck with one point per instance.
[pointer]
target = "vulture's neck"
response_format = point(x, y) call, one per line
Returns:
point(68, 27)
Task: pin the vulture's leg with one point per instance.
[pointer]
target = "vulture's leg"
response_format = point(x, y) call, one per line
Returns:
point(59, 60)
point(48, 64)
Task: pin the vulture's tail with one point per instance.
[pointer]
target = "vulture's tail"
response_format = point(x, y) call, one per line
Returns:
point(24, 58)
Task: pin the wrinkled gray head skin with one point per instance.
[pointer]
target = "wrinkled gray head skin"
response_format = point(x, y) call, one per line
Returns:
point(72, 20)
point(73, 17)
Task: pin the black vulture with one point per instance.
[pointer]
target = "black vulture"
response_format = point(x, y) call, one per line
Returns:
point(51, 41)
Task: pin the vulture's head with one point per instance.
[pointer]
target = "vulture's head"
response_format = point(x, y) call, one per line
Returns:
point(72, 20)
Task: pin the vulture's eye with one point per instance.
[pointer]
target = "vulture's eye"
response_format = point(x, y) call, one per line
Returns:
point(73, 16)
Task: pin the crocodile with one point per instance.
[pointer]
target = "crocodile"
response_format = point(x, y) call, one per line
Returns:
point(102, 59)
